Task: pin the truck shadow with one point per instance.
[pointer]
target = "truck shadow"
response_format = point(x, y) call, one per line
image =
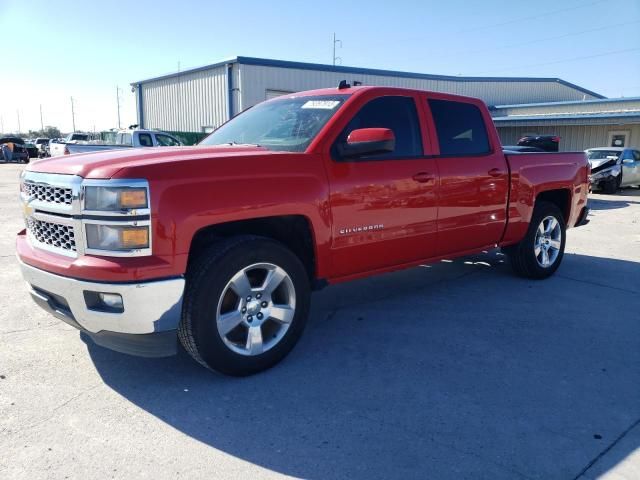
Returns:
point(454, 370)
point(619, 200)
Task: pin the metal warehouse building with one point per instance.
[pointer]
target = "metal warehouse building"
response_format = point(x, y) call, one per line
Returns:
point(201, 99)
point(580, 124)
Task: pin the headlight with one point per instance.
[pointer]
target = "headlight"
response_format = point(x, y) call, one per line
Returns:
point(117, 237)
point(115, 198)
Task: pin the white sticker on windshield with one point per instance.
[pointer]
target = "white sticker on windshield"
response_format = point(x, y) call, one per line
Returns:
point(322, 104)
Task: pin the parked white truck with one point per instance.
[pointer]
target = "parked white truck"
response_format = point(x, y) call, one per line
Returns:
point(128, 138)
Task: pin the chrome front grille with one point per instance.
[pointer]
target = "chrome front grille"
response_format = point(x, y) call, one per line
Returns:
point(55, 235)
point(48, 193)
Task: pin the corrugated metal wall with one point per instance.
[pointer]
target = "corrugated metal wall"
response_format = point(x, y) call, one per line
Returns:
point(574, 137)
point(257, 79)
point(632, 105)
point(187, 102)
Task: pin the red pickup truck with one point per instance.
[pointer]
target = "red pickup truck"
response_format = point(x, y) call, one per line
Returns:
point(219, 245)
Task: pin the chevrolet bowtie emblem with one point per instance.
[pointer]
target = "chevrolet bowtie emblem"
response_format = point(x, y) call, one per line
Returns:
point(27, 209)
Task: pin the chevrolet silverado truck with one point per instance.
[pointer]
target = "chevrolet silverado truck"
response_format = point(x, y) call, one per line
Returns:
point(218, 246)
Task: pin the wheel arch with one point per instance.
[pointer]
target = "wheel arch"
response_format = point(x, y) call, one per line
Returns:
point(294, 231)
point(560, 197)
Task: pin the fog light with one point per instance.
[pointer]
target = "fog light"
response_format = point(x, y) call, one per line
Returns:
point(111, 300)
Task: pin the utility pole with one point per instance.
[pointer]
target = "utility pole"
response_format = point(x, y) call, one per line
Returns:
point(73, 116)
point(41, 122)
point(336, 41)
point(19, 128)
point(118, 102)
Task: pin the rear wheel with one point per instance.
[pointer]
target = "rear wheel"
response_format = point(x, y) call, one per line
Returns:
point(246, 305)
point(540, 253)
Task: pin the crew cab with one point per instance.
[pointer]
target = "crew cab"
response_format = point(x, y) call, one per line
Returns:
point(219, 245)
point(127, 138)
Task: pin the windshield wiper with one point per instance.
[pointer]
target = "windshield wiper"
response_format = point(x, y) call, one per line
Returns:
point(233, 142)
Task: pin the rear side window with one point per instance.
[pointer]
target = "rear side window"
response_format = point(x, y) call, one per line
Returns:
point(460, 128)
point(145, 140)
point(398, 114)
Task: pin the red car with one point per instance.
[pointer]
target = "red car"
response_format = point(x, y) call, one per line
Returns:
point(219, 245)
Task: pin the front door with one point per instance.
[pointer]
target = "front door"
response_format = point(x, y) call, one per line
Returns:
point(630, 167)
point(384, 207)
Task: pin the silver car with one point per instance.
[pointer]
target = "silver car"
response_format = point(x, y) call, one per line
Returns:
point(614, 167)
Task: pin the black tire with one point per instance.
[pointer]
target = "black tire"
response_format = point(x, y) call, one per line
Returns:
point(207, 279)
point(522, 256)
point(611, 186)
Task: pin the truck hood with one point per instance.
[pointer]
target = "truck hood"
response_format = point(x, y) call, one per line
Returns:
point(106, 164)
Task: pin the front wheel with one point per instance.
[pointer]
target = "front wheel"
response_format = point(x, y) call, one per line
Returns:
point(540, 252)
point(612, 185)
point(246, 304)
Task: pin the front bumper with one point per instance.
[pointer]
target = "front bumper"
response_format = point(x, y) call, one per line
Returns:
point(146, 326)
point(608, 175)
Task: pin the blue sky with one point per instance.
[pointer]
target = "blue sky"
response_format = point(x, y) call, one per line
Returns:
point(52, 50)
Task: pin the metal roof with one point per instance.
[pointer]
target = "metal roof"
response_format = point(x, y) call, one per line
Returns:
point(570, 102)
point(565, 116)
point(364, 71)
point(605, 118)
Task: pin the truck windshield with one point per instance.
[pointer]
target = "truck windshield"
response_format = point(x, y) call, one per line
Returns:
point(602, 154)
point(286, 125)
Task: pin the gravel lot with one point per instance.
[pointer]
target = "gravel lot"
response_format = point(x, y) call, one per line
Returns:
point(454, 370)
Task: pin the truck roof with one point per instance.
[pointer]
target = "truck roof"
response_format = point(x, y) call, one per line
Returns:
point(366, 88)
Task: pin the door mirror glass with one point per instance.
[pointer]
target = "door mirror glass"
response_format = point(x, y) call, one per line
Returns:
point(368, 141)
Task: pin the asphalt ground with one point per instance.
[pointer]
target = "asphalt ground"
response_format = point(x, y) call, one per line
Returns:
point(453, 370)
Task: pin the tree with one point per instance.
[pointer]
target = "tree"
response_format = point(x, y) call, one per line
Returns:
point(51, 132)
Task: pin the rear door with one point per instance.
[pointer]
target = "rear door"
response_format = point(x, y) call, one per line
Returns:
point(474, 178)
point(384, 207)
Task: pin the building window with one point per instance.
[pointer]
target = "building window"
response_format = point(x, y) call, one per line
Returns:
point(619, 139)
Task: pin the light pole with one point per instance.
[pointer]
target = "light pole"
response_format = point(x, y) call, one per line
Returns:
point(118, 103)
point(335, 41)
point(19, 128)
point(73, 116)
point(41, 122)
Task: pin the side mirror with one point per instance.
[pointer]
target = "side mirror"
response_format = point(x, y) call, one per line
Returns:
point(368, 141)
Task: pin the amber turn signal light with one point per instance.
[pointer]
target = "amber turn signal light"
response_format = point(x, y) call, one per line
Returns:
point(134, 237)
point(131, 198)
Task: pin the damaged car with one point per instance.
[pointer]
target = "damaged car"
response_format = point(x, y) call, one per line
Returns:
point(613, 168)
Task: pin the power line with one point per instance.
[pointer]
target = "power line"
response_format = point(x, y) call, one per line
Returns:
point(555, 62)
point(532, 17)
point(538, 40)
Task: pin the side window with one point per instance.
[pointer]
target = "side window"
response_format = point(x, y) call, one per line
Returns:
point(145, 140)
point(636, 155)
point(398, 114)
point(460, 128)
point(166, 140)
point(123, 139)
